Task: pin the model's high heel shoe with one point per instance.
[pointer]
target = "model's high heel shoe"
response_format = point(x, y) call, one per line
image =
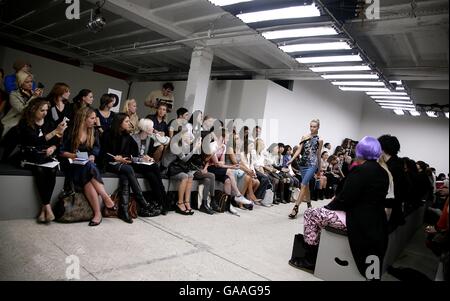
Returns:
point(294, 212)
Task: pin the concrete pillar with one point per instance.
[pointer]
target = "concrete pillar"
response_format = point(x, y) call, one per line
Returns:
point(198, 81)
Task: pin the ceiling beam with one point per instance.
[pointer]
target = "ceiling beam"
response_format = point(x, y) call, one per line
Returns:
point(42, 9)
point(176, 5)
point(138, 53)
point(411, 49)
point(59, 23)
point(208, 18)
point(397, 25)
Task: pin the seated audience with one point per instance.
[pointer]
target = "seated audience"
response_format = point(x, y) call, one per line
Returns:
point(84, 98)
point(82, 140)
point(130, 108)
point(181, 123)
point(118, 149)
point(161, 129)
point(105, 116)
point(175, 165)
point(39, 142)
point(11, 80)
point(59, 106)
point(18, 99)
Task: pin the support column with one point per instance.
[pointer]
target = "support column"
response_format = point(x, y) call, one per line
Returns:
point(198, 81)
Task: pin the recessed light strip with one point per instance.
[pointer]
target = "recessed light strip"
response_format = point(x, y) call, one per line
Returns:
point(303, 11)
point(300, 33)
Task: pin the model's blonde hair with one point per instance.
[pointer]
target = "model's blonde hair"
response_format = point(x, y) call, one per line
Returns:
point(316, 121)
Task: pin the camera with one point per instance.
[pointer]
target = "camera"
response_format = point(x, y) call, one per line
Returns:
point(40, 85)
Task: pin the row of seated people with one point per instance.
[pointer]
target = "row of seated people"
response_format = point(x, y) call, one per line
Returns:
point(123, 152)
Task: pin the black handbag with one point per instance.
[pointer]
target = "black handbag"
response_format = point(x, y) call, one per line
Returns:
point(176, 167)
point(34, 155)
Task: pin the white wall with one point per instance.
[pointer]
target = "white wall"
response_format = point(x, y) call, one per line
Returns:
point(225, 100)
point(50, 72)
point(339, 112)
point(421, 138)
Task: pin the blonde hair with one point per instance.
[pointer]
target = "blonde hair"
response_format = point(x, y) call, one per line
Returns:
point(126, 104)
point(21, 77)
point(316, 121)
point(80, 119)
point(134, 118)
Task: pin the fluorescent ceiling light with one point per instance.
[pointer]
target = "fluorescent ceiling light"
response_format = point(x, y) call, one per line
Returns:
point(350, 76)
point(400, 89)
point(330, 59)
point(394, 101)
point(315, 47)
point(396, 105)
point(388, 93)
point(414, 113)
point(300, 33)
point(398, 108)
point(364, 89)
point(303, 11)
point(365, 84)
point(399, 112)
point(391, 97)
point(339, 68)
point(227, 2)
point(446, 114)
point(432, 114)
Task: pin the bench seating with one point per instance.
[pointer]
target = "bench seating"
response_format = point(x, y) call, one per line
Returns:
point(19, 196)
point(335, 260)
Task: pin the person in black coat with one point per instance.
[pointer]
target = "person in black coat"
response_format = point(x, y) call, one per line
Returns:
point(391, 146)
point(120, 151)
point(358, 209)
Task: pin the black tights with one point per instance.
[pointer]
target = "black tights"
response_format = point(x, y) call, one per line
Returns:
point(153, 175)
point(45, 179)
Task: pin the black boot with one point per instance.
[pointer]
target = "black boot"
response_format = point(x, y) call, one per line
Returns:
point(123, 206)
point(308, 262)
point(144, 208)
point(205, 208)
point(320, 194)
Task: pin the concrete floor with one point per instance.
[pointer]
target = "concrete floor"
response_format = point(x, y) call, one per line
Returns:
point(253, 247)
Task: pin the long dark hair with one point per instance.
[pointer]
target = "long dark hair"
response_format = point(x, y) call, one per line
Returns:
point(115, 132)
point(29, 113)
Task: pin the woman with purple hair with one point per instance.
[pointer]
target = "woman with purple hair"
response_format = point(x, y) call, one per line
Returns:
point(357, 209)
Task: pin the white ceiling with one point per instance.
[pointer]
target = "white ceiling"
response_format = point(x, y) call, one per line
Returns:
point(153, 40)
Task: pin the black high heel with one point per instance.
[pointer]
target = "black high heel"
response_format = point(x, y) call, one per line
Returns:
point(295, 209)
point(189, 211)
point(178, 209)
point(94, 224)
